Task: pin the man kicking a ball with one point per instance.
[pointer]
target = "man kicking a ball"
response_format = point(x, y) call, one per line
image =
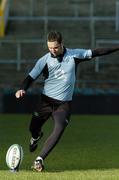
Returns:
point(59, 69)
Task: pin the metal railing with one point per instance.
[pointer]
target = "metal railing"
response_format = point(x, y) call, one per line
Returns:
point(19, 60)
point(91, 18)
point(100, 43)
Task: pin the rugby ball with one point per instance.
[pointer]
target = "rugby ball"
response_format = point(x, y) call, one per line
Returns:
point(14, 157)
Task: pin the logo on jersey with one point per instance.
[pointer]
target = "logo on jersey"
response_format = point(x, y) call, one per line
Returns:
point(60, 74)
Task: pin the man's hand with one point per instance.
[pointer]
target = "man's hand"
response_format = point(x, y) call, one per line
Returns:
point(20, 93)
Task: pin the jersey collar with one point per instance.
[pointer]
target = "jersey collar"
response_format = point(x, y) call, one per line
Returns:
point(60, 57)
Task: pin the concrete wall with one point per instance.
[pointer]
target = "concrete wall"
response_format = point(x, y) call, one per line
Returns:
point(82, 104)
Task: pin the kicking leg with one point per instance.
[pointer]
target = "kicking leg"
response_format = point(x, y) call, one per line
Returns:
point(61, 117)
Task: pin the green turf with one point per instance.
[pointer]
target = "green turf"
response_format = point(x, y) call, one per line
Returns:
point(89, 149)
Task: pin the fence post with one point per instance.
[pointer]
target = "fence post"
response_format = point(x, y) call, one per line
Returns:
point(97, 60)
point(32, 7)
point(46, 18)
point(18, 56)
point(92, 24)
point(117, 16)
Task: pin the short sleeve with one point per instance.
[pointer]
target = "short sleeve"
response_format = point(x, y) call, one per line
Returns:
point(82, 53)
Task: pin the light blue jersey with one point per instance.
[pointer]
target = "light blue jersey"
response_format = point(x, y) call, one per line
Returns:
point(61, 76)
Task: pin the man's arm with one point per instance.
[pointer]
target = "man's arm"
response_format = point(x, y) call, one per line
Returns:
point(103, 51)
point(27, 82)
point(25, 85)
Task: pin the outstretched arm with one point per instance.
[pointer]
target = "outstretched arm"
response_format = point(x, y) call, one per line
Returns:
point(103, 51)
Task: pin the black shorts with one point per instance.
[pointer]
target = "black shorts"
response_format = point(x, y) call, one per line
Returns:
point(48, 107)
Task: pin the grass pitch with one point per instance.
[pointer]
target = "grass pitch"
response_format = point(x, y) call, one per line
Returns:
point(88, 149)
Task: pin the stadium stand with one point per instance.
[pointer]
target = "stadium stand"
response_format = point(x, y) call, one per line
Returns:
point(82, 24)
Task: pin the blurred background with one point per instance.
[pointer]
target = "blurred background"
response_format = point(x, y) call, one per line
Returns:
point(84, 24)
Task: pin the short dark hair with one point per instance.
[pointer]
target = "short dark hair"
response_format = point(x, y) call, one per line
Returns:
point(54, 36)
